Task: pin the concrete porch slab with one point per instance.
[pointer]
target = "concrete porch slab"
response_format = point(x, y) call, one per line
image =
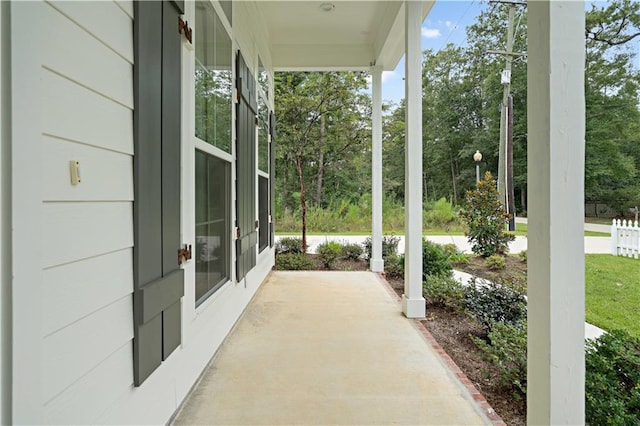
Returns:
point(328, 348)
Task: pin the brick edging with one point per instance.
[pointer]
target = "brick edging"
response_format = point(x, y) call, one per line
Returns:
point(478, 398)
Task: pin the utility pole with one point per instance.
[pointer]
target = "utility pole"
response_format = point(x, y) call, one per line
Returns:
point(506, 135)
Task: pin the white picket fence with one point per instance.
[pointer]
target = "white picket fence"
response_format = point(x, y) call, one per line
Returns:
point(625, 238)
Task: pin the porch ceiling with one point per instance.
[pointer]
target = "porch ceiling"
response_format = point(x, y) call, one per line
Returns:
point(348, 35)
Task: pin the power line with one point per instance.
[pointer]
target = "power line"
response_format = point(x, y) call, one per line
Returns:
point(456, 26)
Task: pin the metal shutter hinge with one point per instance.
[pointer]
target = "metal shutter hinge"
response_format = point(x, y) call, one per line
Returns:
point(184, 254)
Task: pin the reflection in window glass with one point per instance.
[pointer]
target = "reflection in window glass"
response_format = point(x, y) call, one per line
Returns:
point(263, 135)
point(227, 8)
point(213, 230)
point(263, 78)
point(263, 211)
point(213, 79)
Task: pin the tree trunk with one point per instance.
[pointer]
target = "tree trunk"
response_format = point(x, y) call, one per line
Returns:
point(453, 180)
point(320, 175)
point(303, 202)
point(523, 197)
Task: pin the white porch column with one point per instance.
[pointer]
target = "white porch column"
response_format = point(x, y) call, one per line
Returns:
point(413, 304)
point(377, 263)
point(556, 122)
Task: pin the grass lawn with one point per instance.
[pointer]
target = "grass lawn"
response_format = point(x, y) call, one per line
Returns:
point(613, 292)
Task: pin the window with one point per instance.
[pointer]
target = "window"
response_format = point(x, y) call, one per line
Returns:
point(263, 211)
point(263, 135)
point(213, 176)
point(213, 79)
point(213, 126)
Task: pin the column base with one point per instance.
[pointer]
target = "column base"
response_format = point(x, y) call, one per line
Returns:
point(377, 265)
point(413, 308)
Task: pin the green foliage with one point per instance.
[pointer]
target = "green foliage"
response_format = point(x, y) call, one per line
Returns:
point(490, 303)
point(612, 381)
point(394, 266)
point(434, 260)
point(389, 246)
point(506, 348)
point(496, 262)
point(486, 219)
point(441, 215)
point(329, 253)
point(289, 245)
point(294, 262)
point(352, 251)
point(443, 290)
point(455, 255)
point(523, 255)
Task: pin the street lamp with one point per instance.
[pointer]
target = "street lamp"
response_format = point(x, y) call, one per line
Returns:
point(477, 157)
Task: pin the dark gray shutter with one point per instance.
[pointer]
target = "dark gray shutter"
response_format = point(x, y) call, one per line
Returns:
point(158, 279)
point(272, 176)
point(246, 117)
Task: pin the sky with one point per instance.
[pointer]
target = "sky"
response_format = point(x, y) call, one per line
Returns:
point(446, 23)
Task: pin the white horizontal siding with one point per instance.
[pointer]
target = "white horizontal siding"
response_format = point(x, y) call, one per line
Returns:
point(80, 403)
point(127, 6)
point(74, 231)
point(105, 175)
point(104, 20)
point(71, 51)
point(75, 290)
point(71, 111)
point(72, 352)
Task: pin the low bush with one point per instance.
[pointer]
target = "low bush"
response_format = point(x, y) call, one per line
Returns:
point(442, 290)
point(294, 262)
point(496, 262)
point(523, 255)
point(442, 215)
point(455, 255)
point(506, 348)
point(329, 252)
point(389, 246)
point(486, 219)
point(289, 245)
point(351, 251)
point(434, 260)
point(612, 381)
point(491, 303)
point(394, 266)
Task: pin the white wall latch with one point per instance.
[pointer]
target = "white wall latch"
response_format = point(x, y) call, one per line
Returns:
point(74, 168)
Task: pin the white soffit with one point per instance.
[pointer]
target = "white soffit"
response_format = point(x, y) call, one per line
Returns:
point(316, 35)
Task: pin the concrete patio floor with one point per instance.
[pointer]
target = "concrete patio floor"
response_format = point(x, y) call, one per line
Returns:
point(328, 348)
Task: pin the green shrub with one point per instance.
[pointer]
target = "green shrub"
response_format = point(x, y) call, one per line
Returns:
point(450, 249)
point(523, 255)
point(486, 219)
point(496, 262)
point(389, 246)
point(455, 255)
point(294, 262)
point(351, 251)
point(394, 266)
point(329, 252)
point(491, 303)
point(289, 245)
point(612, 381)
point(506, 348)
point(442, 215)
point(442, 290)
point(434, 260)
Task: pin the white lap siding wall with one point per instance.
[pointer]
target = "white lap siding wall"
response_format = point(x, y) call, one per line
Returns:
point(72, 99)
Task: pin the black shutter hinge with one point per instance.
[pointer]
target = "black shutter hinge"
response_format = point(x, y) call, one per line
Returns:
point(257, 224)
point(184, 254)
point(183, 26)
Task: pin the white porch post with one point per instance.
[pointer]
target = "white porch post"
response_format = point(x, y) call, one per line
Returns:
point(556, 122)
point(413, 304)
point(377, 263)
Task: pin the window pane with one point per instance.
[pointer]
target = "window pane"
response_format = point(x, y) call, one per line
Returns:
point(263, 135)
point(213, 80)
point(263, 211)
point(212, 224)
